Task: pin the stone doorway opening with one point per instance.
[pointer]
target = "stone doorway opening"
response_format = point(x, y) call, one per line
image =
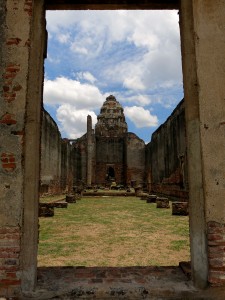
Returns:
point(199, 254)
point(110, 171)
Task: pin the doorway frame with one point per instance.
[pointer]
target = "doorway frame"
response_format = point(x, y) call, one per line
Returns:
point(198, 241)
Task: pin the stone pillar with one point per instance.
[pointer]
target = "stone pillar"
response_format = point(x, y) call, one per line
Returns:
point(203, 48)
point(89, 150)
point(22, 30)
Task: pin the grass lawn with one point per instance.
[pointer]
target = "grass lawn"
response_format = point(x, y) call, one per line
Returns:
point(113, 231)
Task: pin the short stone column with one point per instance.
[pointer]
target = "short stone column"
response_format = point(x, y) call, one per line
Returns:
point(143, 196)
point(138, 191)
point(151, 199)
point(77, 196)
point(70, 199)
point(180, 208)
point(162, 202)
point(46, 210)
point(60, 204)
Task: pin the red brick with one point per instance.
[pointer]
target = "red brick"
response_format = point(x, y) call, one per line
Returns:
point(217, 249)
point(10, 249)
point(9, 75)
point(13, 68)
point(17, 88)
point(217, 262)
point(4, 160)
point(8, 229)
point(5, 88)
point(9, 255)
point(9, 166)
point(18, 132)
point(11, 275)
point(7, 282)
point(215, 224)
point(8, 119)
point(9, 268)
point(13, 41)
point(215, 237)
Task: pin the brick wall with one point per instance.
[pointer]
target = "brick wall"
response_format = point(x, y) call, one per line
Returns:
point(216, 253)
point(9, 260)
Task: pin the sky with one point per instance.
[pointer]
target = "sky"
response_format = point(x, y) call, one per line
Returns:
point(133, 55)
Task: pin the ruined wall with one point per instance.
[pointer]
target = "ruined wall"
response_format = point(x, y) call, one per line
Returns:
point(135, 158)
point(50, 155)
point(80, 160)
point(57, 159)
point(67, 166)
point(166, 157)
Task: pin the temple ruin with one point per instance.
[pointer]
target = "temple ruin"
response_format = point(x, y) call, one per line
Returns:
point(23, 49)
point(110, 153)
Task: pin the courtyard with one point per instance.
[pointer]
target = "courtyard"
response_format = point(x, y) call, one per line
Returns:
point(113, 231)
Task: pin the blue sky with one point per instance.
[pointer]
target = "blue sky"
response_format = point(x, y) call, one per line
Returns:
point(133, 55)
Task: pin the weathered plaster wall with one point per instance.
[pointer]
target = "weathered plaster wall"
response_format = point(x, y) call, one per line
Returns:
point(210, 48)
point(135, 159)
point(67, 166)
point(203, 44)
point(57, 159)
point(50, 155)
point(166, 158)
point(16, 56)
point(80, 171)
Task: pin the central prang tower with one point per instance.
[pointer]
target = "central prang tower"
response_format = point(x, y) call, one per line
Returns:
point(109, 153)
point(110, 134)
point(111, 120)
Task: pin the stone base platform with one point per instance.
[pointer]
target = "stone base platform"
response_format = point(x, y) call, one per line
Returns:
point(118, 283)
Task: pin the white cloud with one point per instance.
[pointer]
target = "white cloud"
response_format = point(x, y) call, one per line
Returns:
point(134, 54)
point(133, 98)
point(140, 116)
point(74, 121)
point(79, 49)
point(63, 90)
point(93, 33)
point(63, 37)
point(86, 76)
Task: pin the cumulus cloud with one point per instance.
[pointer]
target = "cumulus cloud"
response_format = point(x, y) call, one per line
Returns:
point(98, 33)
point(133, 54)
point(64, 37)
point(140, 116)
point(74, 101)
point(74, 121)
point(64, 90)
point(86, 76)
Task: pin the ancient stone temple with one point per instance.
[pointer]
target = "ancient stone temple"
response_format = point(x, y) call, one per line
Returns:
point(105, 154)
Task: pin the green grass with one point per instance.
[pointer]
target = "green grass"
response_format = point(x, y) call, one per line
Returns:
point(113, 231)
